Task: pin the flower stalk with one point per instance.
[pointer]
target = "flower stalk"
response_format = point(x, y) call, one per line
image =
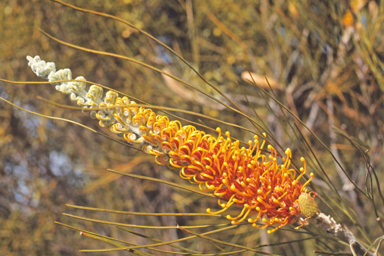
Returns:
point(335, 229)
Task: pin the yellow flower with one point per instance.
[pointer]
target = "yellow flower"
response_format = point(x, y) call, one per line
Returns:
point(240, 175)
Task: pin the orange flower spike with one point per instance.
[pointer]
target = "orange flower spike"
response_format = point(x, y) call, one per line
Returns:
point(245, 176)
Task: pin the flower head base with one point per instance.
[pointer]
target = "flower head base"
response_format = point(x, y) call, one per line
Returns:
point(239, 175)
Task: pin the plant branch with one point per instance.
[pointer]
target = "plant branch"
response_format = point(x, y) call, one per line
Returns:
point(334, 229)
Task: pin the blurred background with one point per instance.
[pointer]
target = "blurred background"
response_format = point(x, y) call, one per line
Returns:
point(323, 61)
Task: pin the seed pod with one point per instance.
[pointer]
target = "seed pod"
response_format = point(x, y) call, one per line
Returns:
point(308, 206)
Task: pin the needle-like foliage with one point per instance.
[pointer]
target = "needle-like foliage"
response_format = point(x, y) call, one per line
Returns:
point(304, 75)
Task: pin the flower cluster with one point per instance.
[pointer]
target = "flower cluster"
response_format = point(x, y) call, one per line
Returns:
point(239, 175)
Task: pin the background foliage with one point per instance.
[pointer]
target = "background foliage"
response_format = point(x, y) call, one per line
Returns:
point(322, 59)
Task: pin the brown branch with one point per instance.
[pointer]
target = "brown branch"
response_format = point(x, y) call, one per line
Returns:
point(334, 229)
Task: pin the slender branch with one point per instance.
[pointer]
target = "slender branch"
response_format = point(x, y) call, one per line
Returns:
point(334, 229)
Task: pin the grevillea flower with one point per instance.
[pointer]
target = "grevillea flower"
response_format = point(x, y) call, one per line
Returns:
point(268, 191)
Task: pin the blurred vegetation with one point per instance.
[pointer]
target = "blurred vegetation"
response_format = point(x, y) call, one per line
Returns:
point(323, 61)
